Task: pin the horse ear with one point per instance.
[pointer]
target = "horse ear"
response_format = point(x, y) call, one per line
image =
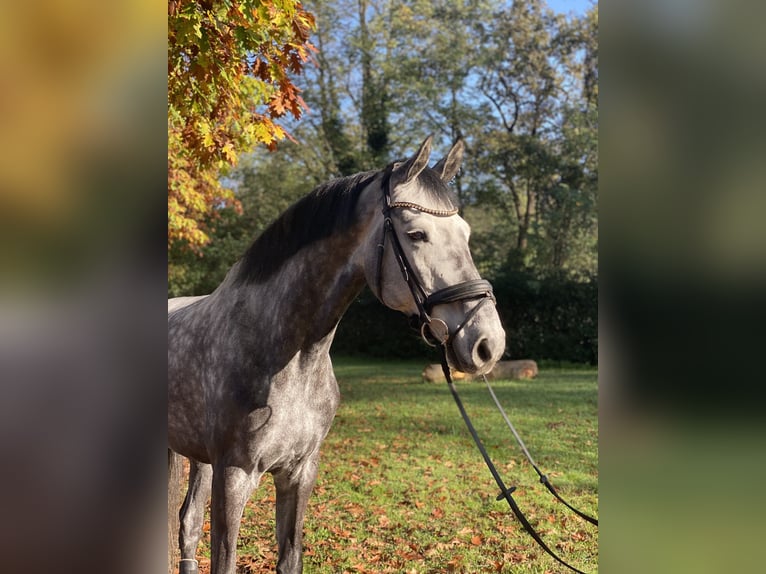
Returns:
point(448, 166)
point(410, 169)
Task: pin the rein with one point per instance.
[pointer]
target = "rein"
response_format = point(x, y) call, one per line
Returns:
point(504, 491)
point(435, 332)
point(543, 478)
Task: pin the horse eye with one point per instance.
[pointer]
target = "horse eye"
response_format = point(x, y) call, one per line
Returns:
point(417, 235)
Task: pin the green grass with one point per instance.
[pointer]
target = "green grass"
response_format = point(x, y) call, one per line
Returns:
point(402, 488)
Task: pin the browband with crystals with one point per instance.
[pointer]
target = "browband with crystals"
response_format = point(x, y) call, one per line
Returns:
point(436, 212)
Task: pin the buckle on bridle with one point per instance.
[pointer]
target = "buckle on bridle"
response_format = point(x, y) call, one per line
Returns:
point(438, 330)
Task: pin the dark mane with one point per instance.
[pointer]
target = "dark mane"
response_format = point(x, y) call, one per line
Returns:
point(324, 211)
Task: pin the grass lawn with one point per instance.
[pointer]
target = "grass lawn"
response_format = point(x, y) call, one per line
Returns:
point(402, 488)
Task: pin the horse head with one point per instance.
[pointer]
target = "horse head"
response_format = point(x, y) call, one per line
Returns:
point(423, 267)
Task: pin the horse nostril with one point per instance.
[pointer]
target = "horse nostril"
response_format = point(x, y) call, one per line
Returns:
point(483, 350)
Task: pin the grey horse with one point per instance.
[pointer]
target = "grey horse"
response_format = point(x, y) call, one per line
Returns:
point(251, 387)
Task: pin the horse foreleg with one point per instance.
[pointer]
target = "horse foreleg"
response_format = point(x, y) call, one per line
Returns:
point(174, 501)
point(231, 488)
point(293, 491)
point(193, 514)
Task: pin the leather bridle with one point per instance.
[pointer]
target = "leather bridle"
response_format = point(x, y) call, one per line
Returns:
point(434, 331)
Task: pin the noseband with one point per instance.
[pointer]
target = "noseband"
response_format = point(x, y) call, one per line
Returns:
point(434, 331)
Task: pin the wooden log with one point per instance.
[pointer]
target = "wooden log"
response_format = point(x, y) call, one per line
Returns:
point(514, 370)
point(508, 370)
point(433, 374)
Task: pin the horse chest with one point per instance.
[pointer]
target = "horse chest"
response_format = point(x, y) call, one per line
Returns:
point(287, 429)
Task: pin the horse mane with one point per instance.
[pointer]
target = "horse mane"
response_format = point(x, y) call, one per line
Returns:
point(328, 209)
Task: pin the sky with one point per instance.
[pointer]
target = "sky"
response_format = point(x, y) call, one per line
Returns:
point(567, 6)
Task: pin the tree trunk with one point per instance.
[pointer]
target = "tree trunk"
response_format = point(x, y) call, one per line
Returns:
point(374, 121)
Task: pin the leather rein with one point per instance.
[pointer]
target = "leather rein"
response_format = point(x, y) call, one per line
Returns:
point(435, 332)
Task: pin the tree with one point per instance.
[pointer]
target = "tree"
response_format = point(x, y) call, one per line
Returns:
point(229, 66)
point(567, 220)
point(539, 155)
point(522, 83)
point(331, 133)
point(432, 68)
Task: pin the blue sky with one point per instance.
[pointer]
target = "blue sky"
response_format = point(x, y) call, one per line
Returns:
point(566, 6)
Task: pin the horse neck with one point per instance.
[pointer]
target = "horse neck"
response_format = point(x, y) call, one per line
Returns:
point(299, 307)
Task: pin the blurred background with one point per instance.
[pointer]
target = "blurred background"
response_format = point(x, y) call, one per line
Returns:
point(82, 285)
point(683, 265)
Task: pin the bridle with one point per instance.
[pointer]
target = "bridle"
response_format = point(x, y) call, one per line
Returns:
point(434, 331)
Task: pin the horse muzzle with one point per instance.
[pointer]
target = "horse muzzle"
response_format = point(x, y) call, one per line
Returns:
point(479, 344)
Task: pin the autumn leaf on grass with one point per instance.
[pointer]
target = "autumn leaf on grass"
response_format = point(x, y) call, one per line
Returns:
point(580, 535)
point(454, 564)
point(476, 540)
point(437, 513)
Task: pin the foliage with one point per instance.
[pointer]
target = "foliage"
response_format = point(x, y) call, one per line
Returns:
point(228, 80)
point(552, 318)
point(199, 273)
point(540, 152)
point(401, 487)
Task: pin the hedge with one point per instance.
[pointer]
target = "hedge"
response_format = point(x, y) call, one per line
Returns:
point(551, 319)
